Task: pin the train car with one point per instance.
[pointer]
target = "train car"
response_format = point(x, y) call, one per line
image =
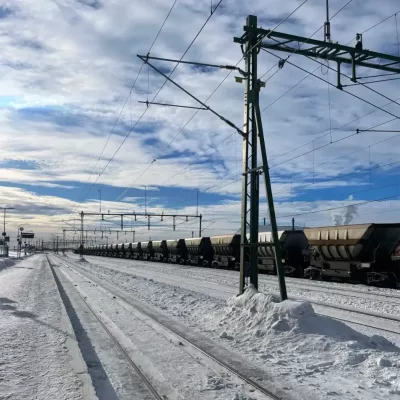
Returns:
point(137, 252)
point(294, 245)
point(199, 251)
point(396, 254)
point(128, 250)
point(177, 251)
point(147, 249)
point(160, 250)
point(113, 250)
point(122, 250)
point(226, 251)
point(108, 251)
point(102, 250)
point(358, 253)
point(117, 250)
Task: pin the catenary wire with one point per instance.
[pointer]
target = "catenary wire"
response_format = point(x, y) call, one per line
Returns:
point(126, 100)
point(142, 115)
point(317, 69)
point(208, 98)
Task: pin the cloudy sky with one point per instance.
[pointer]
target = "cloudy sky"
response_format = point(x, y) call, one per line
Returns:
point(72, 128)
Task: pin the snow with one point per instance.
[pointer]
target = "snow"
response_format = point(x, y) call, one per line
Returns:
point(383, 301)
point(37, 357)
point(174, 368)
point(312, 353)
point(215, 283)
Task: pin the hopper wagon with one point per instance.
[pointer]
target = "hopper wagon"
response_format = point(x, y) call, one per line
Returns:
point(363, 253)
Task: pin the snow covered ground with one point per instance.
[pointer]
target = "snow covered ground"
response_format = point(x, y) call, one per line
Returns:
point(175, 370)
point(78, 333)
point(39, 358)
point(223, 284)
point(314, 355)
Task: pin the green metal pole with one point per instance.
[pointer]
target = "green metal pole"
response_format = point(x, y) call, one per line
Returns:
point(249, 218)
point(244, 251)
point(268, 189)
point(254, 190)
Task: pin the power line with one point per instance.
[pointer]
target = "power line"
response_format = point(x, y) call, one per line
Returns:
point(340, 127)
point(331, 84)
point(380, 22)
point(158, 92)
point(309, 73)
point(166, 80)
point(326, 162)
point(126, 100)
point(358, 83)
point(310, 37)
point(218, 86)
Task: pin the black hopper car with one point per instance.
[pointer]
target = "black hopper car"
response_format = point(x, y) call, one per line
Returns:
point(363, 253)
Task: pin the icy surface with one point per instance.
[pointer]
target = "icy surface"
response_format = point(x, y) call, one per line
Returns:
point(287, 339)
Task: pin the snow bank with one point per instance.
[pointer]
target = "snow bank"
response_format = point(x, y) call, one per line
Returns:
point(6, 263)
point(290, 334)
point(262, 315)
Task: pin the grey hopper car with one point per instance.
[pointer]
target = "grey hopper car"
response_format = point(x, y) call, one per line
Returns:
point(177, 251)
point(294, 246)
point(226, 251)
point(136, 251)
point(113, 250)
point(107, 250)
point(122, 250)
point(362, 253)
point(199, 251)
point(147, 249)
point(160, 250)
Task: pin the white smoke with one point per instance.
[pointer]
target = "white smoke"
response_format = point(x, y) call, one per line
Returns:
point(337, 219)
point(345, 217)
point(351, 212)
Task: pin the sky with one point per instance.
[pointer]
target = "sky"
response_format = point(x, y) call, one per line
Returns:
point(73, 130)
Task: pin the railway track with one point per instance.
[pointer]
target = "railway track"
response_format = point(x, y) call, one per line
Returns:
point(121, 349)
point(343, 313)
point(181, 337)
point(297, 283)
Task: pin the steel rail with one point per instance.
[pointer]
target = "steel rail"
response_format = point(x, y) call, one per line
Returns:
point(149, 385)
point(372, 314)
point(232, 370)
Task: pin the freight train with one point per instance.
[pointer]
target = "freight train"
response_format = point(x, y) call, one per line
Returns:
point(364, 253)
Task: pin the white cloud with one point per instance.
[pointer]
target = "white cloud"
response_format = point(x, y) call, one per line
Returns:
point(79, 62)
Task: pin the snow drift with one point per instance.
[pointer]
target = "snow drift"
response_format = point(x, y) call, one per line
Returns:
point(292, 336)
point(262, 315)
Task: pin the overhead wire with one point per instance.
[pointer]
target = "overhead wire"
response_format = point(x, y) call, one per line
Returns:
point(129, 96)
point(364, 84)
point(344, 91)
point(397, 35)
point(312, 151)
point(294, 86)
point(166, 80)
point(144, 112)
point(310, 37)
point(214, 91)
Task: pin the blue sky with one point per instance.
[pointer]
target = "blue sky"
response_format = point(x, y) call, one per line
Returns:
point(68, 66)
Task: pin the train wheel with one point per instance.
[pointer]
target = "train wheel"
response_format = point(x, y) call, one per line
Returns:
point(391, 281)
